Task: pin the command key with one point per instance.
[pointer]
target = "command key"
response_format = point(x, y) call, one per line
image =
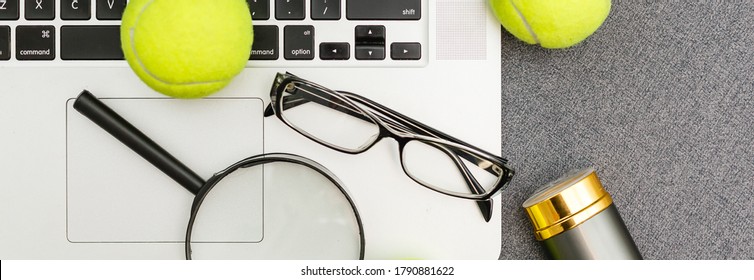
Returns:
point(35, 42)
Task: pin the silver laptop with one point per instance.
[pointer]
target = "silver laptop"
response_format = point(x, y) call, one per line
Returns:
point(70, 191)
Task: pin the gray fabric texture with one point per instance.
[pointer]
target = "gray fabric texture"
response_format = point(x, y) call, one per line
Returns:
point(660, 100)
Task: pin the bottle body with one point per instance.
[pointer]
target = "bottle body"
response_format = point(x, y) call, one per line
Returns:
point(602, 237)
point(575, 218)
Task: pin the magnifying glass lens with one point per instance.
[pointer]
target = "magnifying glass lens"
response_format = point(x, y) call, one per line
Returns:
point(276, 210)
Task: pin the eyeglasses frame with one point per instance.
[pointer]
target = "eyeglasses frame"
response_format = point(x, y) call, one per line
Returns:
point(399, 127)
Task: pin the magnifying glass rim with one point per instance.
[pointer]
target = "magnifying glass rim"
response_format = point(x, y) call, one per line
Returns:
point(260, 160)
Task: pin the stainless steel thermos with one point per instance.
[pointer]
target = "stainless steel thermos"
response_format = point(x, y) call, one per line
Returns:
point(574, 218)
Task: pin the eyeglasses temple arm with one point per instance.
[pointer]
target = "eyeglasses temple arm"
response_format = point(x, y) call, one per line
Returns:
point(305, 95)
point(280, 83)
point(422, 129)
point(385, 114)
point(405, 119)
point(485, 206)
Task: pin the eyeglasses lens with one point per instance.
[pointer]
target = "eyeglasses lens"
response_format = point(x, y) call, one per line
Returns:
point(440, 168)
point(328, 119)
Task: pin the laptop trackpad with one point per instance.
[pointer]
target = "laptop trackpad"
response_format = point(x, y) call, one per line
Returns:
point(113, 195)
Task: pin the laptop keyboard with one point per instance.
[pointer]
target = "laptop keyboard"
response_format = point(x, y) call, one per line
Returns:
point(306, 32)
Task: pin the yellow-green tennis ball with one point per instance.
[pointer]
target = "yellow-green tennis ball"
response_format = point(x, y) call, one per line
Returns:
point(186, 48)
point(552, 24)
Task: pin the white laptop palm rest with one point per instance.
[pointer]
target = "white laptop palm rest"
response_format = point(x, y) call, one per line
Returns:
point(71, 191)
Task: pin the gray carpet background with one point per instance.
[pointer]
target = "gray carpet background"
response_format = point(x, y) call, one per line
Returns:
point(660, 100)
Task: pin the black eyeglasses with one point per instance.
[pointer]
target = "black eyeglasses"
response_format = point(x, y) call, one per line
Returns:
point(352, 124)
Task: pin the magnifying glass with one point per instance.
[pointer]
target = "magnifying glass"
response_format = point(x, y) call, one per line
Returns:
point(307, 212)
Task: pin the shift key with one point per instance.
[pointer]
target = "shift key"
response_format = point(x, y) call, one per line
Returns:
point(383, 9)
point(35, 42)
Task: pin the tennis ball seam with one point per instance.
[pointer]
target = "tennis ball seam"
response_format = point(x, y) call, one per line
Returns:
point(525, 22)
point(131, 32)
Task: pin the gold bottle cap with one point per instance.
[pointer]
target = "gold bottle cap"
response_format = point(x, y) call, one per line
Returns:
point(566, 203)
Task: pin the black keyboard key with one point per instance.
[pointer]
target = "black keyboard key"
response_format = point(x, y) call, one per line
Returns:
point(370, 34)
point(370, 42)
point(35, 42)
point(4, 42)
point(326, 9)
point(370, 52)
point(259, 9)
point(334, 51)
point(406, 51)
point(9, 9)
point(383, 9)
point(76, 9)
point(299, 42)
point(266, 43)
point(110, 9)
point(90, 43)
point(289, 9)
point(40, 9)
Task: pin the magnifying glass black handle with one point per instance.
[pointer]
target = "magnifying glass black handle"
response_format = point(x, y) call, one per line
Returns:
point(91, 107)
